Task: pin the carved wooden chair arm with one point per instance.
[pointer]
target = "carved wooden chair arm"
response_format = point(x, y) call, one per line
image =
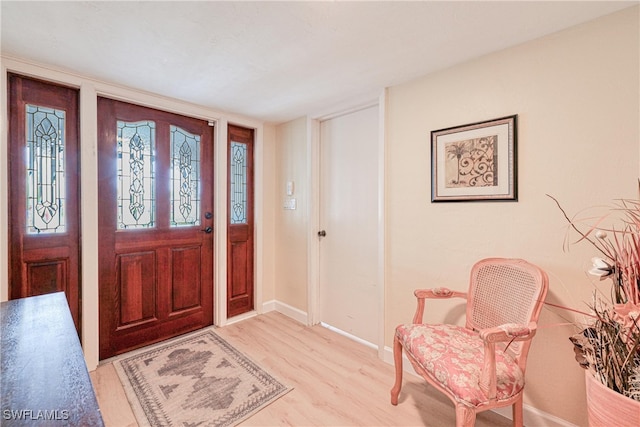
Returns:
point(435, 293)
point(504, 333)
point(509, 332)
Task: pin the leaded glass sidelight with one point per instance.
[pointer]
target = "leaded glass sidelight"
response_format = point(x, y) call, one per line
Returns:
point(238, 184)
point(185, 178)
point(45, 170)
point(136, 164)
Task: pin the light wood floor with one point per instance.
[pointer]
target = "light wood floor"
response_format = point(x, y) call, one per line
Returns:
point(336, 381)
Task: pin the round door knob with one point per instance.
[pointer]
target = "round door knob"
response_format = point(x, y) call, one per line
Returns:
point(208, 230)
point(322, 233)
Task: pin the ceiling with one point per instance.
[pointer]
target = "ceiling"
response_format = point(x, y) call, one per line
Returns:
point(275, 61)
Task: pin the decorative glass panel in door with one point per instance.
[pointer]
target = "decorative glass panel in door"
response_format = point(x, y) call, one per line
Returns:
point(136, 163)
point(185, 178)
point(45, 170)
point(238, 182)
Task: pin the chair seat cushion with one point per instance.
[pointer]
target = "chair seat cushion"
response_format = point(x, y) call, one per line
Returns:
point(453, 356)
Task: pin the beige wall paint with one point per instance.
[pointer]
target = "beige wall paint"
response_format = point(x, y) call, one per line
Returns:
point(576, 94)
point(577, 97)
point(268, 204)
point(291, 226)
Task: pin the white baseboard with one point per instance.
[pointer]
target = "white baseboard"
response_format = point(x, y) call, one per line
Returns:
point(241, 317)
point(302, 317)
point(533, 417)
point(287, 310)
point(348, 335)
point(269, 306)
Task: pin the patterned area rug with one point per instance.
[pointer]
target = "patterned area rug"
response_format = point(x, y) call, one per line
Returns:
point(199, 381)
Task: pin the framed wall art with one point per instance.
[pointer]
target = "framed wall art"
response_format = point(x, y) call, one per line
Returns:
point(475, 162)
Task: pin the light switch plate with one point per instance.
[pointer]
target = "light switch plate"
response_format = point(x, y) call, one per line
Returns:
point(290, 204)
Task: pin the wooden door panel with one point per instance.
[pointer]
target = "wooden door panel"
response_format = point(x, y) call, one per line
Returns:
point(240, 269)
point(156, 260)
point(44, 246)
point(137, 286)
point(240, 278)
point(185, 269)
point(44, 277)
point(239, 233)
point(240, 295)
point(49, 269)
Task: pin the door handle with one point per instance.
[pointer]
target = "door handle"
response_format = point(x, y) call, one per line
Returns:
point(208, 230)
point(322, 233)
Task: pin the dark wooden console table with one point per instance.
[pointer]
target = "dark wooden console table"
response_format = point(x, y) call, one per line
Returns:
point(43, 376)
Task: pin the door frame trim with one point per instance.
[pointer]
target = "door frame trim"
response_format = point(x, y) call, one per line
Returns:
point(313, 243)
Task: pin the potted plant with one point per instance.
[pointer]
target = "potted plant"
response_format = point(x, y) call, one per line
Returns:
point(608, 347)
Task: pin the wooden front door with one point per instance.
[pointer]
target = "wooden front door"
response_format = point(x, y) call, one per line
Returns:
point(240, 225)
point(155, 225)
point(44, 200)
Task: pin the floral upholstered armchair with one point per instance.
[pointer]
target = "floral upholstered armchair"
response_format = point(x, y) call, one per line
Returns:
point(479, 366)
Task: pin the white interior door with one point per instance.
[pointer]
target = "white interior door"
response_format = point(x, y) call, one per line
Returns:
point(349, 288)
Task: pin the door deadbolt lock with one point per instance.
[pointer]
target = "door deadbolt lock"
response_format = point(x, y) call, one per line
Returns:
point(208, 230)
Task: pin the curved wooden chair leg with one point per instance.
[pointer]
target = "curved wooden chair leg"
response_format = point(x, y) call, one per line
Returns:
point(465, 416)
point(518, 419)
point(397, 361)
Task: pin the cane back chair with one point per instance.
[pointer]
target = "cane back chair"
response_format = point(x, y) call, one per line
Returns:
point(479, 366)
